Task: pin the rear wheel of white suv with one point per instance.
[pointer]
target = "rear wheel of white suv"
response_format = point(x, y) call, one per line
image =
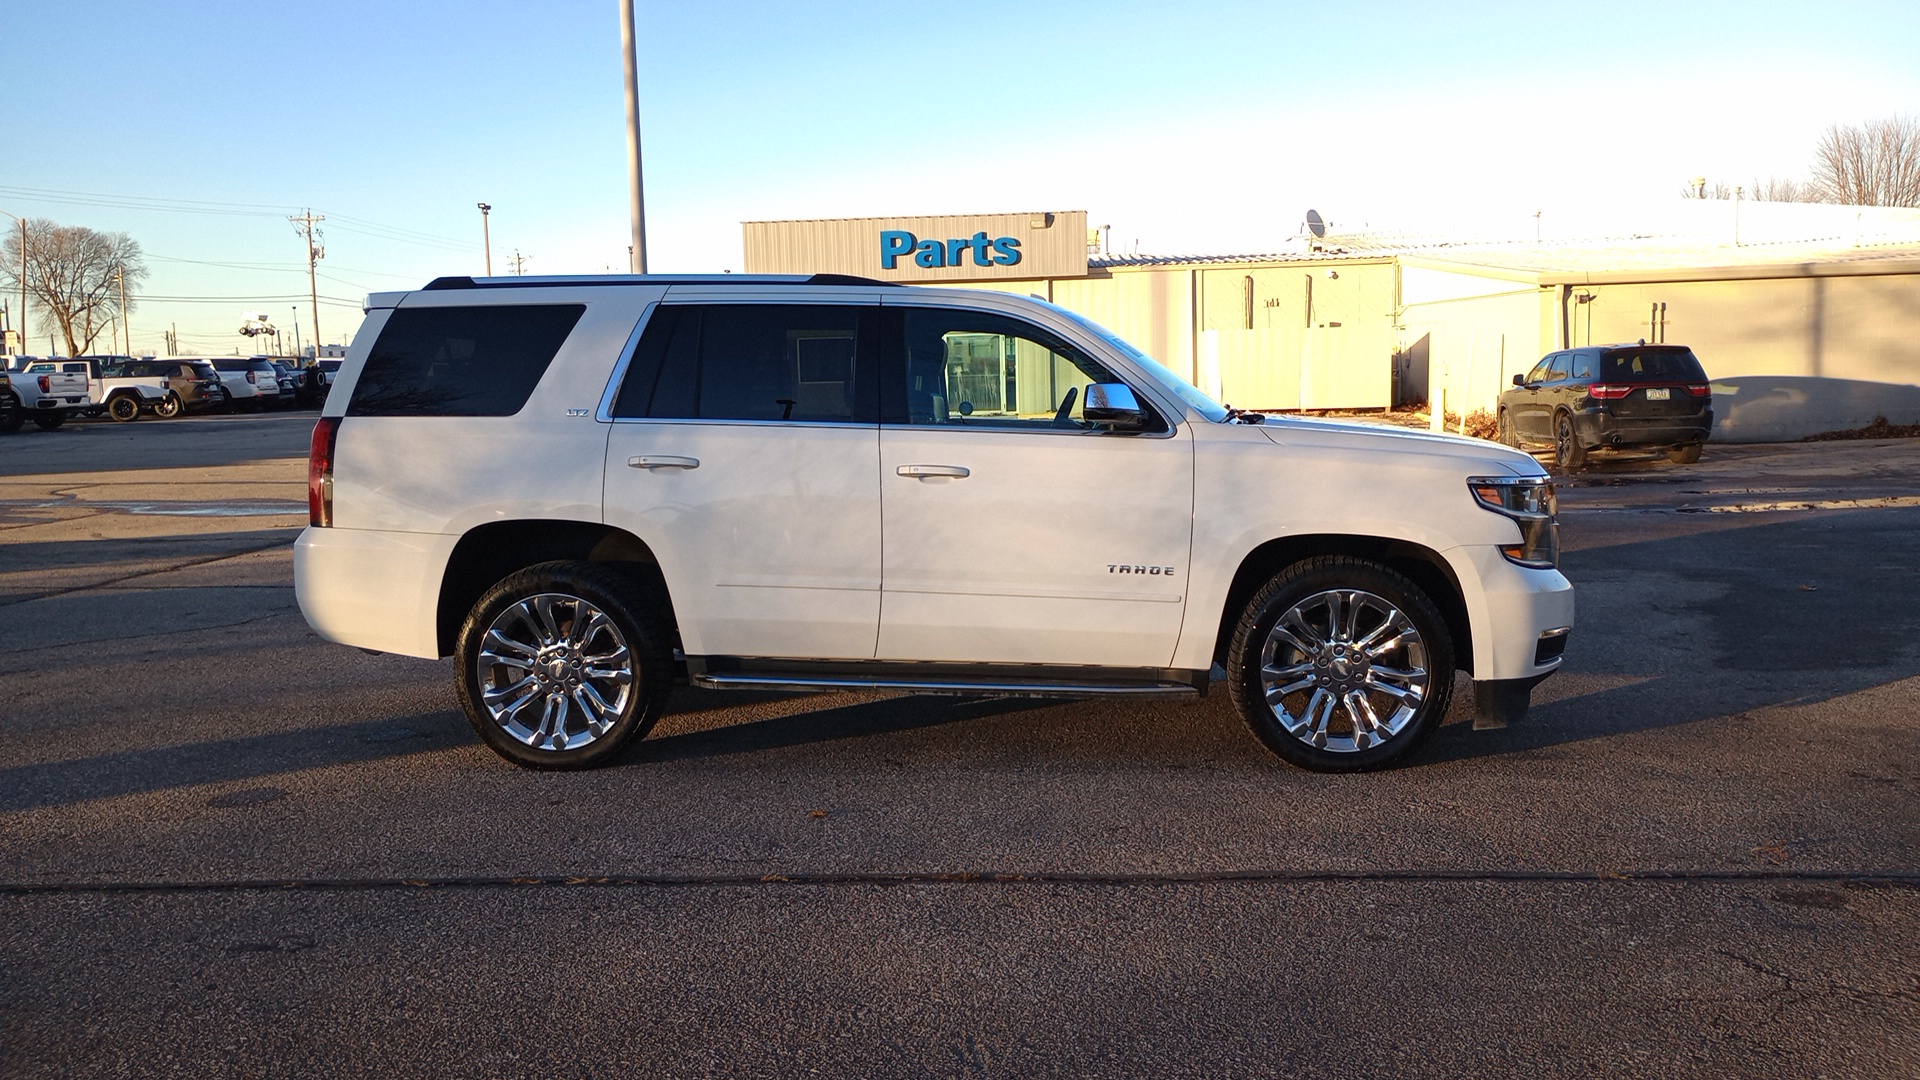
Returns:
point(1340, 665)
point(563, 664)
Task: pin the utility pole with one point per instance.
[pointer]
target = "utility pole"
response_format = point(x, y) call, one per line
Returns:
point(636, 204)
point(518, 262)
point(296, 335)
point(126, 329)
point(486, 237)
point(23, 285)
point(304, 225)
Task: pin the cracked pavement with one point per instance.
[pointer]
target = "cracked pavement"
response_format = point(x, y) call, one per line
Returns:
point(229, 849)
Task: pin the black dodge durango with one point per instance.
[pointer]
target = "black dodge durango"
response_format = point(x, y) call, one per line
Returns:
point(1611, 396)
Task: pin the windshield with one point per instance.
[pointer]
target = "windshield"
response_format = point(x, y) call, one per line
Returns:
point(1188, 392)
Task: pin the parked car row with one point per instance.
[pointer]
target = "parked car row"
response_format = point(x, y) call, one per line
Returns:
point(53, 390)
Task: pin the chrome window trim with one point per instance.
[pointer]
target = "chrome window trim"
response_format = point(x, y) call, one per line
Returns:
point(605, 413)
point(703, 421)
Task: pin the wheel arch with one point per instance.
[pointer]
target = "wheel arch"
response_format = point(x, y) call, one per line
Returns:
point(1422, 565)
point(490, 552)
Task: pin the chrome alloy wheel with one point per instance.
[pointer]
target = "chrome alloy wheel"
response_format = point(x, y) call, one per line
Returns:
point(555, 672)
point(1344, 670)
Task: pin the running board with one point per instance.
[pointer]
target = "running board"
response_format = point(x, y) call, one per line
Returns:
point(950, 687)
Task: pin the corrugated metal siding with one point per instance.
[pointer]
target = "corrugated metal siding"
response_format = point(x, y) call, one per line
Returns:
point(852, 246)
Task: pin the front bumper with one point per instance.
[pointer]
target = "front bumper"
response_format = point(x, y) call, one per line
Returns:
point(1512, 612)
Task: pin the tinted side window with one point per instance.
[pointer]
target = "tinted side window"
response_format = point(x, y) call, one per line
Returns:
point(1583, 365)
point(979, 369)
point(794, 362)
point(1540, 370)
point(1562, 365)
point(461, 361)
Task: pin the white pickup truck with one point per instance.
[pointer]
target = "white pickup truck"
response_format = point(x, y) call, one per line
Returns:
point(51, 391)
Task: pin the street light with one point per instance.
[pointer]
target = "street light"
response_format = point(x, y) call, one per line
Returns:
point(486, 237)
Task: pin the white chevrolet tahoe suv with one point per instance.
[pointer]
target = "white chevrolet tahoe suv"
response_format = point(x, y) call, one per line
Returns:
point(589, 489)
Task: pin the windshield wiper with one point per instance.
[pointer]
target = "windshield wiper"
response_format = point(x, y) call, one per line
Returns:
point(1242, 416)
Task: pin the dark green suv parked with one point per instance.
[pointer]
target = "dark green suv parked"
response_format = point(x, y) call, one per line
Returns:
point(192, 385)
point(1611, 397)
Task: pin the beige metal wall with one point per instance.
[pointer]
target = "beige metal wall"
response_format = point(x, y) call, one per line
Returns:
point(1052, 244)
point(1461, 353)
point(1306, 335)
point(1817, 347)
point(1789, 357)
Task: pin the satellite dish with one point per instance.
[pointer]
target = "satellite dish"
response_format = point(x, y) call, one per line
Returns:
point(1316, 224)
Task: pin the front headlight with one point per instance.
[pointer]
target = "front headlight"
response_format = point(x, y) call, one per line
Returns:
point(1529, 502)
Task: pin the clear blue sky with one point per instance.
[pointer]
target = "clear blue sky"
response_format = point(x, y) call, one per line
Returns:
point(1192, 127)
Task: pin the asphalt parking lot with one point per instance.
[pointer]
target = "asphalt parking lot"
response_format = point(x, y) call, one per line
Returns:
point(229, 849)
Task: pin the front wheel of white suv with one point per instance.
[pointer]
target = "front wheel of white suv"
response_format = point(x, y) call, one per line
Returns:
point(1341, 665)
point(563, 664)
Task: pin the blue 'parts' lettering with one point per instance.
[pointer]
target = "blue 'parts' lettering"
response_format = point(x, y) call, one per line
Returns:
point(893, 244)
point(939, 254)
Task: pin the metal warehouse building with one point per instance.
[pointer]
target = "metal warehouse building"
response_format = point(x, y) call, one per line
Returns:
point(1806, 317)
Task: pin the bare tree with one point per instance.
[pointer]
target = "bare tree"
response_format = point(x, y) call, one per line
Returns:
point(75, 276)
point(1873, 164)
point(1781, 189)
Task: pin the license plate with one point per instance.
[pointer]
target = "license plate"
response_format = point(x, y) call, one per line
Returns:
point(1659, 393)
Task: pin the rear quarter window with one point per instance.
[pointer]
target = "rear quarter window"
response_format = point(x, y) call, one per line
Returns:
point(461, 361)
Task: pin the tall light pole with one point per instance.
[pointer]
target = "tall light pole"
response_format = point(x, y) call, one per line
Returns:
point(636, 204)
point(486, 236)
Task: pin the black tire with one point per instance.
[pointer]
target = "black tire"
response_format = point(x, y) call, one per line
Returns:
point(12, 415)
point(124, 408)
point(1566, 443)
point(631, 617)
point(1507, 436)
point(1684, 455)
point(169, 408)
point(47, 421)
point(226, 401)
point(1323, 746)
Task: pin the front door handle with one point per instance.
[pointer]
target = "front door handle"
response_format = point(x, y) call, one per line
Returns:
point(658, 462)
point(927, 472)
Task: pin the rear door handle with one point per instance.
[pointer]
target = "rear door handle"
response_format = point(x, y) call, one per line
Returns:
point(659, 462)
point(927, 472)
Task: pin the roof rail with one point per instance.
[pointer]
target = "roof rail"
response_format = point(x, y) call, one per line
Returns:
point(444, 283)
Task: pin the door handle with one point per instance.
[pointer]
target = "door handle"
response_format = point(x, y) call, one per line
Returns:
point(652, 463)
point(928, 472)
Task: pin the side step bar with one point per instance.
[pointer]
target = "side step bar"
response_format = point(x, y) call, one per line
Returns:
point(953, 687)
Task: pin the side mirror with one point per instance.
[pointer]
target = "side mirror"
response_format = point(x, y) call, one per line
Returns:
point(1114, 405)
point(1519, 380)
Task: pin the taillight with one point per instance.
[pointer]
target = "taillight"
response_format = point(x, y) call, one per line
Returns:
point(46, 385)
point(1605, 391)
point(1699, 389)
point(326, 434)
